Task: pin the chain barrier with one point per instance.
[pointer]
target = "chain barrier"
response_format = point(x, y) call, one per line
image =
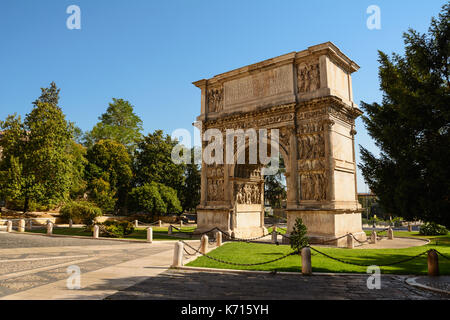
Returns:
point(441, 254)
point(183, 232)
point(195, 250)
point(241, 264)
point(147, 224)
point(367, 265)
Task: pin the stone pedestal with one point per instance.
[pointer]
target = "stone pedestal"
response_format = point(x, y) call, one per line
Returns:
point(325, 225)
point(246, 221)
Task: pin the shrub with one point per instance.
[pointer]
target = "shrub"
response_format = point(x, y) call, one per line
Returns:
point(170, 198)
point(432, 229)
point(298, 237)
point(81, 212)
point(147, 198)
point(116, 229)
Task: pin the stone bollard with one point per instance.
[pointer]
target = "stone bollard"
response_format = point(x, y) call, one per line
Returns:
point(21, 226)
point(390, 234)
point(160, 223)
point(274, 236)
point(433, 263)
point(136, 223)
point(96, 231)
point(181, 223)
point(9, 226)
point(409, 227)
point(70, 223)
point(150, 235)
point(218, 238)
point(350, 242)
point(373, 237)
point(169, 230)
point(49, 228)
point(30, 224)
point(204, 242)
point(306, 261)
point(178, 255)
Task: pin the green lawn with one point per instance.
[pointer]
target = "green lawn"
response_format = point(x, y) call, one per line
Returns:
point(253, 253)
point(139, 233)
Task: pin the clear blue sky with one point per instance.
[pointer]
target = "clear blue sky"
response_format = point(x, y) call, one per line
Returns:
point(149, 52)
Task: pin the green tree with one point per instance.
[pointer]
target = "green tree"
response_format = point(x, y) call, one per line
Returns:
point(274, 186)
point(109, 174)
point(118, 123)
point(298, 238)
point(411, 127)
point(147, 198)
point(77, 154)
point(190, 194)
point(169, 196)
point(35, 164)
point(154, 162)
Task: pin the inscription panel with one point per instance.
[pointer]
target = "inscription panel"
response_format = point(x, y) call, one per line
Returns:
point(262, 85)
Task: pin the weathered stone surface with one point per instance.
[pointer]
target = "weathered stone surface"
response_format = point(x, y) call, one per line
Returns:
point(306, 96)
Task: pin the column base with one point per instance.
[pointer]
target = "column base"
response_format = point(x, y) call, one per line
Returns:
point(325, 225)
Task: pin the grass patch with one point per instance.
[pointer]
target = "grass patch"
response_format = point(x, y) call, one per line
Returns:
point(254, 253)
point(138, 234)
point(280, 230)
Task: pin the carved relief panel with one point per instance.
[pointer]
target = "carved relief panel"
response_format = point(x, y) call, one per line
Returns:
point(215, 99)
point(308, 77)
point(215, 176)
point(313, 186)
point(312, 162)
point(247, 193)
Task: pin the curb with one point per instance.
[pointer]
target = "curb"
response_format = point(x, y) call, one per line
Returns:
point(412, 282)
point(99, 238)
point(214, 270)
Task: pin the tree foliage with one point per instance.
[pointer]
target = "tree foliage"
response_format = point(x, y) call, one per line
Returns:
point(274, 186)
point(118, 123)
point(298, 238)
point(109, 174)
point(411, 127)
point(35, 164)
point(154, 162)
point(190, 194)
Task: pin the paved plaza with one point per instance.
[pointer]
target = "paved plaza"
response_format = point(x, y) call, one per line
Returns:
point(194, 285)
point(35, 267)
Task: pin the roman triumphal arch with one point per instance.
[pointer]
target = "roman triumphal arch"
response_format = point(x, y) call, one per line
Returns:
point(307, 97)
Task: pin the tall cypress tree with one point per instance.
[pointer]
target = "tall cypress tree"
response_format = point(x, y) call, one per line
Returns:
point(411, 127)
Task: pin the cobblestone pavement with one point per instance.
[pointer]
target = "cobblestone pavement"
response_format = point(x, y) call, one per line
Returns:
point(194, 285)
point(30, 261)
point(442, 282)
